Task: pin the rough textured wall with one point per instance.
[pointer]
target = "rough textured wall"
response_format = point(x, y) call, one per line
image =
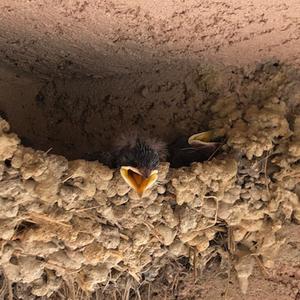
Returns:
point(131, 54)
point(69, 228)
point(101, 38)
point(77, 224)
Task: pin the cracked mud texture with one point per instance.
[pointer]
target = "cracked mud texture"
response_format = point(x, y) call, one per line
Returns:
point(72, 227)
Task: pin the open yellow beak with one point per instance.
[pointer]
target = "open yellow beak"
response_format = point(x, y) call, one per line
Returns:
point(135, 180)
point(206, 137)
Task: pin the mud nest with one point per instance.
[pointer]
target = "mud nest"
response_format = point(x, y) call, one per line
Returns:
point(76, 225)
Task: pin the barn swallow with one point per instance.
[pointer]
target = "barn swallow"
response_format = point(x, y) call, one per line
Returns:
point(136, 157)
point(196, 148)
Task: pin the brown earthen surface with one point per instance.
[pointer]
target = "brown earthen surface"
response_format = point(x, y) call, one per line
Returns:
point(74, 74)
point(101, 38)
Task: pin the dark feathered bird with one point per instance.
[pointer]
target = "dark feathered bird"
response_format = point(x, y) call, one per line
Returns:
point(196, 148)
point(137, 157)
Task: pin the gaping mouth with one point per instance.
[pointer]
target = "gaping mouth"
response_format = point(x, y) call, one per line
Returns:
point(206, 138)
point(135, 179)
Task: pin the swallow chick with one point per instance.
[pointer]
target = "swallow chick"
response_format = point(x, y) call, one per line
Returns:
point(136, 157)
point(196, 148)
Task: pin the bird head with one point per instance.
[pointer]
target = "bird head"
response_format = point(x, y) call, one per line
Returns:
point(139, 165)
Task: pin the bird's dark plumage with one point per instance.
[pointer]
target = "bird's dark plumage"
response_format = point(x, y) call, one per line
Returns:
point(140, 155)
point(134, 150)
point(145, 154)
point(131, 149)
point(181, 153)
